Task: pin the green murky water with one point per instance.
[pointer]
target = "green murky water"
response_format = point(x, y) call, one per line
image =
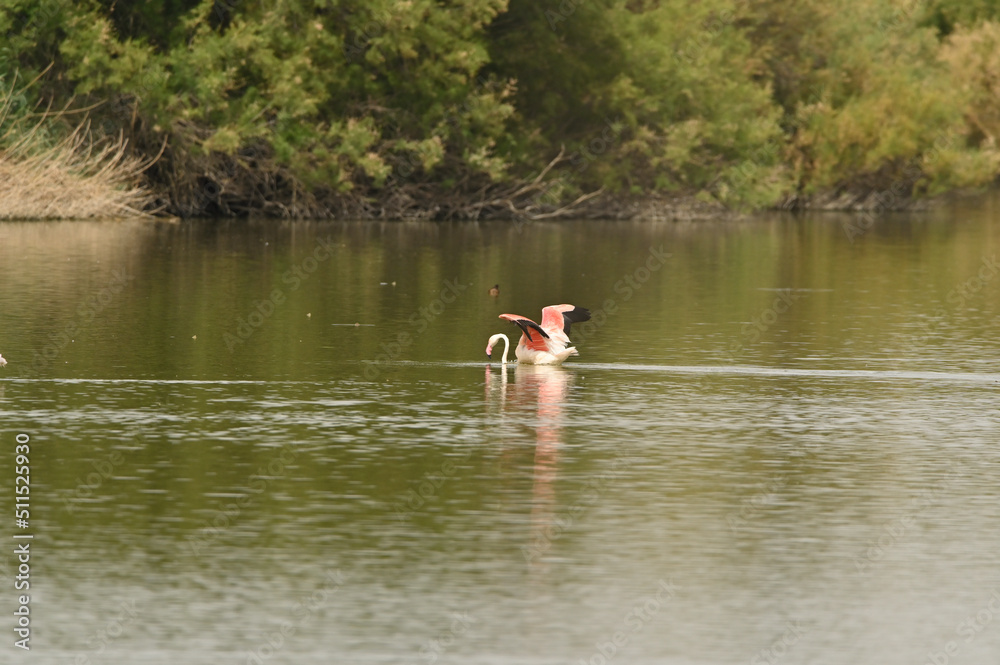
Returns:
point(281, 443)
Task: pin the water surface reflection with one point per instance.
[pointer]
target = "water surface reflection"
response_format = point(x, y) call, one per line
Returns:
point(828, 491)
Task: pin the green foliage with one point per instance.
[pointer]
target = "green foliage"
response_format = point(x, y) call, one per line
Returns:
point(946, 15)
point(741, 102)
point(338, 94)
point(645, 98)
point(874, 105)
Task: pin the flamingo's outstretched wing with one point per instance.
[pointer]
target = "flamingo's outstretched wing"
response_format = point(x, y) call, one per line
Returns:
point(536, 341)
point(559, 317)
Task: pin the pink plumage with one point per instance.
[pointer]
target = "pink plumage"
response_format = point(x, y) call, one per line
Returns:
point(548, 343)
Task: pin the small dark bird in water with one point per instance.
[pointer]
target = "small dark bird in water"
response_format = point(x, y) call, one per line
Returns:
point(495, 291)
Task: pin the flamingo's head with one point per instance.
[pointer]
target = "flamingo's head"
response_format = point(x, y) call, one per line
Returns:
point(493, 341)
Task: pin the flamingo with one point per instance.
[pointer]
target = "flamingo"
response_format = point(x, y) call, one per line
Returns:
point(3, 361)
point(549, 343)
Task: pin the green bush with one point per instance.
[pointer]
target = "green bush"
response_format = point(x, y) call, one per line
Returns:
point(388, 107)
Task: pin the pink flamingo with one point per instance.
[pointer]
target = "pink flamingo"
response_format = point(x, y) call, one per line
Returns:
point(546, 344)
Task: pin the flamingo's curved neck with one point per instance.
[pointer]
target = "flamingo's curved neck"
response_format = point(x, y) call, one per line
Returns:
point(506, 348)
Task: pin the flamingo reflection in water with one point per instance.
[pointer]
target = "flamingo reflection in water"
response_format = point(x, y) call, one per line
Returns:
point(543, 390)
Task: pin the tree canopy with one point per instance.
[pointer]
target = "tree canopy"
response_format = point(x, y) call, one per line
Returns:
point(386, 108)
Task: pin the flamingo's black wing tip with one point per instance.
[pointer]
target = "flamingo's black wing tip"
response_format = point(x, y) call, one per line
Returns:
point(575, 315)
point(527, 325)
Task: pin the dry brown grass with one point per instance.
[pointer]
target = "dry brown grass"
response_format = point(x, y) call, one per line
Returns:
point(72, 178)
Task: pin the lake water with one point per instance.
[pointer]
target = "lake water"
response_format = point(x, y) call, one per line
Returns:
point(282, 442)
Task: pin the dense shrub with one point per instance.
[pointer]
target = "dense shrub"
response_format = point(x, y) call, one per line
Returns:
point(386, 107)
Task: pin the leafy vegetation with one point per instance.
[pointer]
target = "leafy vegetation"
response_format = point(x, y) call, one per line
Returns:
point(384, 108)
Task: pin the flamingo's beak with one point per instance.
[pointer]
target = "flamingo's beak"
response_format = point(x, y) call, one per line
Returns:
point(489, 351)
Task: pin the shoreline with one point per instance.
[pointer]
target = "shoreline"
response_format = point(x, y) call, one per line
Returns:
point(51, 201)
point(659, 208)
